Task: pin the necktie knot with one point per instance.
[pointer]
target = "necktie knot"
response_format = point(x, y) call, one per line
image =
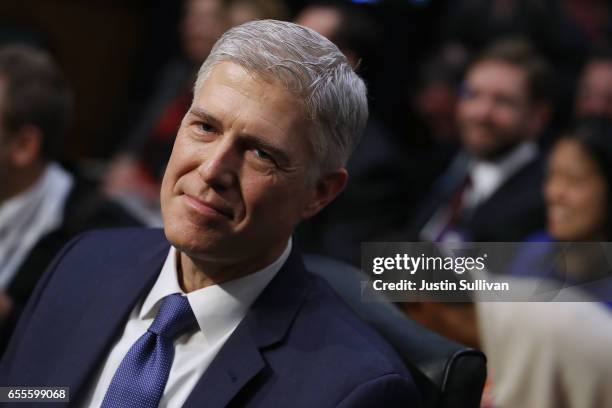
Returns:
point(174, 317)
point(142, 375)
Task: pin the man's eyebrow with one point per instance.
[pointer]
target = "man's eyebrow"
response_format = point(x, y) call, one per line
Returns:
point(203, 115)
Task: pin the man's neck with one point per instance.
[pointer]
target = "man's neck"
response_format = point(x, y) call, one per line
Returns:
point(195, 273)
point(518, 155)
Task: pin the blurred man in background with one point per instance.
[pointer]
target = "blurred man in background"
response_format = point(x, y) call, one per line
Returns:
point(135, 173)
point(492, 189)
point(42, 205)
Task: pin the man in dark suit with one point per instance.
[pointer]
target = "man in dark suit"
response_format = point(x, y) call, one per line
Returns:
point(220, 311)
point(492, 191)
point(42, 204)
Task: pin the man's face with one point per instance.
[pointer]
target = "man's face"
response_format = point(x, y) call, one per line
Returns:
point(236, 183)
point(594, 96)
point(494, 111)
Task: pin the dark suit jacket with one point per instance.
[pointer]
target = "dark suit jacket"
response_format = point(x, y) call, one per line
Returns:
point(513, 211)
point(298, 346)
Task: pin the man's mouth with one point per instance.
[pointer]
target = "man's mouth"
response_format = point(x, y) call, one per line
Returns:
point(207, 207)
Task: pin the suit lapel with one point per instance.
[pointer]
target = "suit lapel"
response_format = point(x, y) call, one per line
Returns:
point(266, 324)
point(519, 185)
point(103, 318)
point(236, 364)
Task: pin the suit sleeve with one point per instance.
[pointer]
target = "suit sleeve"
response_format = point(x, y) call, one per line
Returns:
point(31, 307)
point(388, 391)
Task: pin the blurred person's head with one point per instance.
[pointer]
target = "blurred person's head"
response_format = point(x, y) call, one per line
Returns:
point(277, 110)
point(203, 23)
point(35, 112)
point(504, 101)
point(594, 93)
point(356, 34)
point(579, 183)
point(435, 99)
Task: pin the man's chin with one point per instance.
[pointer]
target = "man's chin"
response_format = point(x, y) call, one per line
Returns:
point(492, 152)
point(194, 239)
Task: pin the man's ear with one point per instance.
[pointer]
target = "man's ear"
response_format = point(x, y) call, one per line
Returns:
point(25, 146)
point(324, 191)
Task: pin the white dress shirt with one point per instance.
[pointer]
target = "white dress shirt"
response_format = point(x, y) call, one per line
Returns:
point(27, 217)
point(488, 176)
point(218, 309)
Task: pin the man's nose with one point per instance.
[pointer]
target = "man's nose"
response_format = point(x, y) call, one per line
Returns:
point(219, 168)
point(482, 108)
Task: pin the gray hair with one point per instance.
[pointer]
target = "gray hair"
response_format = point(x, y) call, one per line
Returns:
point(308, 65)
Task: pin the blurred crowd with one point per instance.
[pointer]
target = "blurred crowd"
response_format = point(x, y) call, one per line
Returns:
point(490, 120)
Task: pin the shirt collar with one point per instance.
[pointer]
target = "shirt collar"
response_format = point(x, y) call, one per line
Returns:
point(14, 205)
point(217, 308)
point(487, 176)
point(509, 163)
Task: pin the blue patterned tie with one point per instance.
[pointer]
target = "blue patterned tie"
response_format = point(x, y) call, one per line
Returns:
point(141, 377)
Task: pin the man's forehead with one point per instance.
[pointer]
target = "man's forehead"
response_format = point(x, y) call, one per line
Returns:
point(232, 91)
point(493, 66)
point(228, 73)
point(499, 74)
point(264, 89)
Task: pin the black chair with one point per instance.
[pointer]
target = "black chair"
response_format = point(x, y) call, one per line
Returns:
point(448, 374)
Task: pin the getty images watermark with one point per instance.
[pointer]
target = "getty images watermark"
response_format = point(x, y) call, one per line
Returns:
point(500, 271)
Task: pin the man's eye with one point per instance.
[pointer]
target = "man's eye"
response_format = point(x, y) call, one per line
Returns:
point(205, 127)
point(263, 155)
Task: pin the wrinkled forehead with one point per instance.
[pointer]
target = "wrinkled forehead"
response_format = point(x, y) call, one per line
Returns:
point(232, 91)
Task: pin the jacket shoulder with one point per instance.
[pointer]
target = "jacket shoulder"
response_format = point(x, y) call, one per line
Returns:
point(342, 325)
point(116, 242)
point(329, 346)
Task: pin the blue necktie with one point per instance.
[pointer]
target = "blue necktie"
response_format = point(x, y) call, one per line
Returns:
point(142, 375)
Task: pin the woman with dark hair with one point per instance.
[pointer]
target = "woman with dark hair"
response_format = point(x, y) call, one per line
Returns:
point(578, 187)
point(578, 196)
